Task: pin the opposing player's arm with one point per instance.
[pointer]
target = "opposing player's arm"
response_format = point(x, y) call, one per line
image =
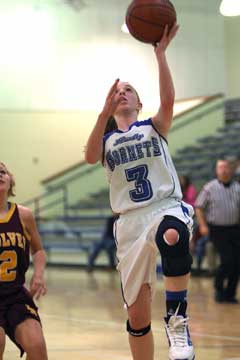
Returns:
point(163, 119)
point(94, 147)
point(37, 283)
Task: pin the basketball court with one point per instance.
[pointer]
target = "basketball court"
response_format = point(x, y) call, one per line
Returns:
point(83, 319)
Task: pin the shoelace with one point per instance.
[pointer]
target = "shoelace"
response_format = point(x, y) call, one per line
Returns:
point(177, 328)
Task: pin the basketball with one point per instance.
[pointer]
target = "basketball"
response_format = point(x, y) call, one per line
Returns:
point(146, 19)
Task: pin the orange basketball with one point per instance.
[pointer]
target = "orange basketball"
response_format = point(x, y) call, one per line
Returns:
point(146, 19)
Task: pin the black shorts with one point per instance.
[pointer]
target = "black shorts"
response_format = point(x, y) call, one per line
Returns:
point(14, 309)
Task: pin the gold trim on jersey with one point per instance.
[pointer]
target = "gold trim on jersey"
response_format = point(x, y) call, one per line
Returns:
point(31, 310)
point(8, 214)
point(26, 233)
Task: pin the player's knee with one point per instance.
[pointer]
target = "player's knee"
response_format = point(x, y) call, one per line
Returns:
point(139, 313)
point(31, 339)
point(138, 320)
point(37, 344)
point(171, 237)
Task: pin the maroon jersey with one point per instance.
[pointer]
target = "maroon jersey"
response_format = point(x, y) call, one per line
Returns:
point(14, 252)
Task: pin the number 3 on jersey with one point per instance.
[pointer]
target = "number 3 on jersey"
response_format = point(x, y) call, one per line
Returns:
point(143, 188)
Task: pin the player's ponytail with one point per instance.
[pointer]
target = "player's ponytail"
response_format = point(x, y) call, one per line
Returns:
point(111, 125)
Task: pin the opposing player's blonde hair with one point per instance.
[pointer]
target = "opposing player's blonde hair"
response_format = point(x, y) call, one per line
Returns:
point(12, 181)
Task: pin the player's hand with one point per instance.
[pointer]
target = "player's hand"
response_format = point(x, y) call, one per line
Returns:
point(110, 103)
point(37, 286)
point(203, 229)
point(167, 37)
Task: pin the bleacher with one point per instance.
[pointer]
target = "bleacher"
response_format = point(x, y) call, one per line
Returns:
point(232, 110)
point(199, 160)
point(70, 237)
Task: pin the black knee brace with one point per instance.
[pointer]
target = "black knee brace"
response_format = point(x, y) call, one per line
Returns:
point(176, 259)
point(139, 332)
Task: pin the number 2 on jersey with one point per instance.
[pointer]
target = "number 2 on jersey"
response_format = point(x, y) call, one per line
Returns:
point(143, 188)
point(8, 263)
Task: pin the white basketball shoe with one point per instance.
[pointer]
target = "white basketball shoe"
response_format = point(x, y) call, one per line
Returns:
point(180, 344)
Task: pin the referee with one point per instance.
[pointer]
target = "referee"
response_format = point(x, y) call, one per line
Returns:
point(218, 215)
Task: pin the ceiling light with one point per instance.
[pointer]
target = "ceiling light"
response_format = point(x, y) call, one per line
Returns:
point(230, 7)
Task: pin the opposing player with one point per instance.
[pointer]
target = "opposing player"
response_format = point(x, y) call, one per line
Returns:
point(145, 192)
point(19, 317)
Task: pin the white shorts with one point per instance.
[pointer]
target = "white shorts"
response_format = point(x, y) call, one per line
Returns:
point(137, 251)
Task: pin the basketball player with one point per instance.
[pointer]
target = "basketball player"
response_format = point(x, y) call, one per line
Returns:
point(145, 192)
point(19, 317)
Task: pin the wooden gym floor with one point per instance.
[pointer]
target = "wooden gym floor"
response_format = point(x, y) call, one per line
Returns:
point(83, 319)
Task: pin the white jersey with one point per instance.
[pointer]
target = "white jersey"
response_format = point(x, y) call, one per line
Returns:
point(139, 168)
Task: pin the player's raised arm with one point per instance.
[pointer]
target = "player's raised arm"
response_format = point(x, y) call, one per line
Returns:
point(94, 145)
point(163, 119)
